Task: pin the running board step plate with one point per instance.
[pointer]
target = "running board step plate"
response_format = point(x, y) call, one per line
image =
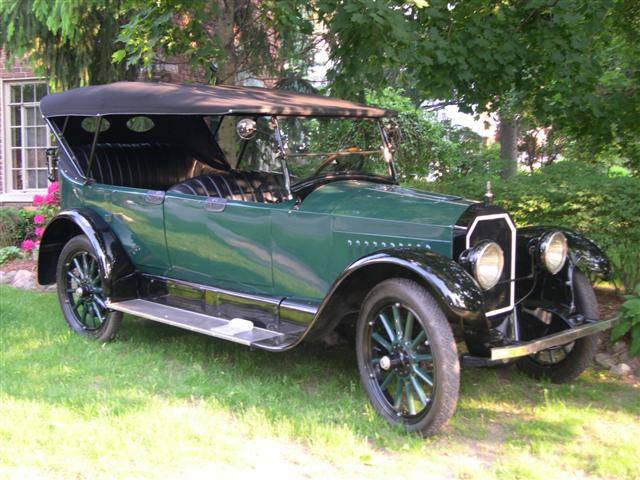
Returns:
point(236, 330)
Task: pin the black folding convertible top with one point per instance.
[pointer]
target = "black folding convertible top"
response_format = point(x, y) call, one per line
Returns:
point(122, 98)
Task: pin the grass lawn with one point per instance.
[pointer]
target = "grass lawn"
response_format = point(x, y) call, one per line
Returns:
point(164, 403)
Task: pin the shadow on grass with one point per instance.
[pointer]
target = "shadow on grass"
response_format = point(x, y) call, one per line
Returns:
point(310, 388)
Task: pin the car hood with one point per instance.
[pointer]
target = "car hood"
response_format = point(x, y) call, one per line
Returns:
point(367, 200)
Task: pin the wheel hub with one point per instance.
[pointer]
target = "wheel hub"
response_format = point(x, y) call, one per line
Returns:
point(84, 291)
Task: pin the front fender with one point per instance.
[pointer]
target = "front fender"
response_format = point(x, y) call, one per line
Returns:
point(582, 251)
point(115, 264)
point(458, 293)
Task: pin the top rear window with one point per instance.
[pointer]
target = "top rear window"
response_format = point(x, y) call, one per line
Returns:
point(140, 124)
point(90, 124)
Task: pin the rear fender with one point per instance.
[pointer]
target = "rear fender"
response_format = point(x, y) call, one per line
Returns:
point(115, 265)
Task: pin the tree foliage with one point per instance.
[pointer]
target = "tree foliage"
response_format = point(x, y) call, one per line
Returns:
point(244, 38)
point(69, 42)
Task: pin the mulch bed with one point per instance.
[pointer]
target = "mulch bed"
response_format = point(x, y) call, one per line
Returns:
point(15, 265)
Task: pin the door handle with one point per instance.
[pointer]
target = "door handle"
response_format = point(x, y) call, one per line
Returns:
point(154, 197)
point(215, 204)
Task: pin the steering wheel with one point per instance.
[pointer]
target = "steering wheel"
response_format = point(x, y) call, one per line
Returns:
point(332, 158)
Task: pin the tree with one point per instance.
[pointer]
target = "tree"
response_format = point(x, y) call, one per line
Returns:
point(507, 57)
point(244, 38)
point(71, 43)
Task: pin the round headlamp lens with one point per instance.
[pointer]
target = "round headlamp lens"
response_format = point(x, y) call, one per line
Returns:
point(488, 263)
point(553, 251)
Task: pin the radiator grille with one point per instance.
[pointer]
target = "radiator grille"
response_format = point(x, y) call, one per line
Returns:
point(499, 228)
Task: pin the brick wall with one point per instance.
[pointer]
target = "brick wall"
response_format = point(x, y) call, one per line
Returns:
point(19, 70)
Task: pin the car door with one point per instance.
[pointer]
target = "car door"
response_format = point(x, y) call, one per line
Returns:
point(136, 217)
point(219, 242)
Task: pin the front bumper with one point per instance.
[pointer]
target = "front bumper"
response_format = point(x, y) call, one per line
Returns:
point(554, 340)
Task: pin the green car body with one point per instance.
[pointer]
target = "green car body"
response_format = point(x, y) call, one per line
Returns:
point(156, 222)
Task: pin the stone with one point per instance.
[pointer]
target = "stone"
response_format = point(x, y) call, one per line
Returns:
point(605, 360)
point(619, 347)
point(24, 279)
point(620, 370)
point(6, 278)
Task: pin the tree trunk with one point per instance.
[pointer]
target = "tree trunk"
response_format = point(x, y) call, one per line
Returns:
point(227, 74)
point(508, 146)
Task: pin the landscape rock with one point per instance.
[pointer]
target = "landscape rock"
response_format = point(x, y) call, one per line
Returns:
point(24, 279)
point(620, 370)
point(619, 347)
point(6, 278)
point(605, 360)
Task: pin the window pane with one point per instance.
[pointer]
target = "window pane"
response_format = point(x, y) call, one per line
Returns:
point(30, 137)
point(36, 137)
point(17, 158)
point(30, 156)
point(41, 158)
point(31, 114)
point(39, 117)
point(31, 179)
point(42, 136)
point(42, 179)
point(17, 180)
point(41, 91)
point(28, 93)
point(16, 137)
point(15, 94)
point(16, 117)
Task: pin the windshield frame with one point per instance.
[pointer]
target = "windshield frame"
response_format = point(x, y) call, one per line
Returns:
point(388, 150)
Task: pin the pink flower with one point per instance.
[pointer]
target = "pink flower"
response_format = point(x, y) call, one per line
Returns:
point(38, 219)
point(28, 245)
point(50, 198)
point(38, 199)
point(39, 231)
point(53, 187)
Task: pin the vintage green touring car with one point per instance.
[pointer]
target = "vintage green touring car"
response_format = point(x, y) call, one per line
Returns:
point(268, 217)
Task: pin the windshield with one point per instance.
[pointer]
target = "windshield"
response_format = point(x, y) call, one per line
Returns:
point(314, 147)
point(330, 146)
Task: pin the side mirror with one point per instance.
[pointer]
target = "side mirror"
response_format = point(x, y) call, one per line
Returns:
point(246, 128)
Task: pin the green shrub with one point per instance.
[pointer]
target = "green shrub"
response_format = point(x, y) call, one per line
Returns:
point(574, 195)
point(630, 322)
point(9, 253)
point(15, 225)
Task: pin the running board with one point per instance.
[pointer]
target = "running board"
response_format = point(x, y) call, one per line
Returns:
point(235, 330)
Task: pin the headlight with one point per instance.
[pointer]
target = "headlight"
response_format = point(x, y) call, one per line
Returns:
point(487, 262)
point(553, 251)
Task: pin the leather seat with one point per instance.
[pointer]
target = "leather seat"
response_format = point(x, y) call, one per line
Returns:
point(154, 166)
point(266, 187)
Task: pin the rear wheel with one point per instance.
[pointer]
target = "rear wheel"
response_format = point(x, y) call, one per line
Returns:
point(407, 356)
point(81, 292)
point(566, 362)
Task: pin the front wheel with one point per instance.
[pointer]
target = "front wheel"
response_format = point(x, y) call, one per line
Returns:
point(81, 294)
point(566, 362)
point(407, 356)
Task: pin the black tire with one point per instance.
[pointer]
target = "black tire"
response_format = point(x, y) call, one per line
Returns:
point(402, 295)
point(84, 312)
point(582, 350)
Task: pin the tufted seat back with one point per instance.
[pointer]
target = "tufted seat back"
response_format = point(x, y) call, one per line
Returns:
point(154, 166)
point(266, 187)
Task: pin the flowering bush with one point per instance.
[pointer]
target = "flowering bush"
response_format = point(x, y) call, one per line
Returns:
point(47, 206)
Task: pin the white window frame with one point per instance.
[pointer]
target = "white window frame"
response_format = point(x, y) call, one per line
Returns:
point(10, 194)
